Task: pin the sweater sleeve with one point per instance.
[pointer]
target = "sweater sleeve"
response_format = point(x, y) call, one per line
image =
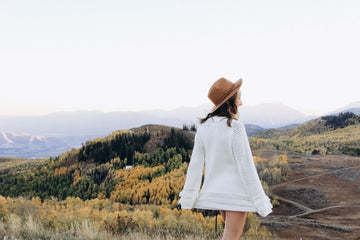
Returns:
point(190, 192)
point(247, 170)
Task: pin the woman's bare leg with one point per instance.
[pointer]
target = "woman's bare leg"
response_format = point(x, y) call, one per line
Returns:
point(223, 214)
point(234, 225)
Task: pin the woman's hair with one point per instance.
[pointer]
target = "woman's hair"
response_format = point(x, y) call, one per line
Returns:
point(228, 110)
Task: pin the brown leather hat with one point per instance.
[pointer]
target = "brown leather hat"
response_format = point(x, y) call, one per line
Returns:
point(222, 90)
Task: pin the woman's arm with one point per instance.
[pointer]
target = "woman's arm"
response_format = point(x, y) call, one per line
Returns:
point(247, 169)
point(190, 192)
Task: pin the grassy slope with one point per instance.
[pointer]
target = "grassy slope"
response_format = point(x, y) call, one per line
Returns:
point(19, 165)
point(312, 135)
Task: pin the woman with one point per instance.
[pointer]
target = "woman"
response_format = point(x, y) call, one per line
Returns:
point(231, 182)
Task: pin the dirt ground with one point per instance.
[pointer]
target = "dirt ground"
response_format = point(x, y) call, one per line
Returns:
point(320, 199)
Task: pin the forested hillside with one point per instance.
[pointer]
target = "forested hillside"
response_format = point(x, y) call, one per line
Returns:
point(99, 171)
point(158, 156)
point(94, 168)
point(335, 134)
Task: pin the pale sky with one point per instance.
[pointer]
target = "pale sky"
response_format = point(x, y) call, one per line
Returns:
point(116, 55)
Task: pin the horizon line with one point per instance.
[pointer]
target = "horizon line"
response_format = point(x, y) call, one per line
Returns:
point(307, 112)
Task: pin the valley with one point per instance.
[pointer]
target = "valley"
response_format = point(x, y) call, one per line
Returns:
point(320, 199)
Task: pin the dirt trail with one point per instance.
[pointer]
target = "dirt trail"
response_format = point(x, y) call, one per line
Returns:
point(312, 176)
point(296, 218)
point(310, 211)
point(296, 204)
point(303, 207)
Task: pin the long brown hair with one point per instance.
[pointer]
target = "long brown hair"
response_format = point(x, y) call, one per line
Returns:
point(228, 110)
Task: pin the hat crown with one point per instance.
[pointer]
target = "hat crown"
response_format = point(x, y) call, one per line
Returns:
point(220, 90)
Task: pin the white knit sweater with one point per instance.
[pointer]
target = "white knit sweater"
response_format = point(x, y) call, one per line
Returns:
point(231, 181)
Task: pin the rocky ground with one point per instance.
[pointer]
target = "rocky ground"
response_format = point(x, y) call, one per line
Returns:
point(320, 200)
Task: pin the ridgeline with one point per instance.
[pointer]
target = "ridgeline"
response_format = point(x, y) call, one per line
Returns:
point(328, 135)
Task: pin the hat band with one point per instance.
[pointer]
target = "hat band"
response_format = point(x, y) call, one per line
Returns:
point(226, 95)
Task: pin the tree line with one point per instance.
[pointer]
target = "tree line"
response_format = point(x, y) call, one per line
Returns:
point(342, 120)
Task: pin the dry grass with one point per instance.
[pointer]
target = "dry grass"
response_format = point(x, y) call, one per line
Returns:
point(16, 228)
point(74, 219)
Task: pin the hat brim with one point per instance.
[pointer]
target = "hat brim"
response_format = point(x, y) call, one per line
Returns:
point(236, 87)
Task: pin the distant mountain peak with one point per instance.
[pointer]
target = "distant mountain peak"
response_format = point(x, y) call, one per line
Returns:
point(352, 107)
point(23, 134)
point(19, 138)
point(37, 138)
point(5, 137)
point(271, 115)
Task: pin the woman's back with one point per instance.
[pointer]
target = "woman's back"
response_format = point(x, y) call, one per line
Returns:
point(221, 173)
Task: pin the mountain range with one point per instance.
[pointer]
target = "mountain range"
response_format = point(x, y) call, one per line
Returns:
point(52, 134)
point(25, 145)
point(146, 166)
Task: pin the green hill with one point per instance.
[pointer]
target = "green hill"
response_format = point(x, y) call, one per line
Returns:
point(329, 135)
point(98, 167)
point(94, 185)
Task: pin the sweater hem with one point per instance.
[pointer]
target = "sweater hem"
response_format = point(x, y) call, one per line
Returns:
point(221, 206)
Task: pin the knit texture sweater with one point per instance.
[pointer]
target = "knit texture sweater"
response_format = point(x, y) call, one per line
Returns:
point(231, 181)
